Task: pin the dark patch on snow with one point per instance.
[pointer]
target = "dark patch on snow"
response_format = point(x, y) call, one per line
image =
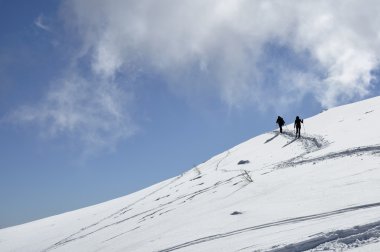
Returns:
point(236, 213)
point(241, 162)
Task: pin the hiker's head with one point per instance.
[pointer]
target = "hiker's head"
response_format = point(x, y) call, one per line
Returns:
point(297, 117)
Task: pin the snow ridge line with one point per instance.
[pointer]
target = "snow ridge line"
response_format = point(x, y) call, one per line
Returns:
point(349, 236)
point(270, 224)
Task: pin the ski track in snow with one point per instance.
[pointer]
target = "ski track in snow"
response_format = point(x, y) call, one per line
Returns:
point(181, 193)
point(315, 143)
point(221, 160)
point(122, 211)
point(337, 240)
point(283, 222)
point(310, 144)
point(86, 231)
point(374, 149)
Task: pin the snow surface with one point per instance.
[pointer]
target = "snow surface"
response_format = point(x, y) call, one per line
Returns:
point(317, 193)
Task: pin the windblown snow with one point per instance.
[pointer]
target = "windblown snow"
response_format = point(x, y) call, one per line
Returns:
point(317, 193)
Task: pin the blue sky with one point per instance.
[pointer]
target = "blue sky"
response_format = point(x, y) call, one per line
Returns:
point(99, 99)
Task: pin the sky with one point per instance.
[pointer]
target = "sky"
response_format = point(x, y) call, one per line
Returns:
point(99, 99)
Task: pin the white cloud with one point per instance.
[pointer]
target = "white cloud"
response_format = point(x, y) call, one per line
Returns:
point(264, 52)
point(95, 114)
point(223, 41)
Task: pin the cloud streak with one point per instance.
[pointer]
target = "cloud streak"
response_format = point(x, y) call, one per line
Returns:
point(40, 22)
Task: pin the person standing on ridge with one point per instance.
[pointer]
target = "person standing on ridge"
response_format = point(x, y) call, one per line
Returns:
point(297, 126)
point(280, 121)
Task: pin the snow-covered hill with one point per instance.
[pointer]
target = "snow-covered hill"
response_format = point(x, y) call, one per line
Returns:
point(319, 193)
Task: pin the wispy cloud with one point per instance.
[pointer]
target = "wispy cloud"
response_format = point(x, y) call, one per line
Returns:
point(41, 23)
point(94, 113)
point(223, 41)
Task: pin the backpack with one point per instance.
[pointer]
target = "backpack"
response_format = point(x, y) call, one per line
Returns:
point(280, 121)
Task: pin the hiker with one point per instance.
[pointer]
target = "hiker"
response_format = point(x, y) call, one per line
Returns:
point(280, 121)
point(297, 126)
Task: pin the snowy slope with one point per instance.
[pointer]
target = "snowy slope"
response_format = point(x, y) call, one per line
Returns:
point(317, 193)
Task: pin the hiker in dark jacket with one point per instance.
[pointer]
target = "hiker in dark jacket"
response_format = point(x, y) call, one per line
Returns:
point(297, 126)
point(280, 121)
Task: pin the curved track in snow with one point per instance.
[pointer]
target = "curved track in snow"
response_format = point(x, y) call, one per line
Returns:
point(337, 240)
point(310, 144)
point(315, 143)
point(113, 220)
point(90, 229)
point(271, 224)
point(372, 149)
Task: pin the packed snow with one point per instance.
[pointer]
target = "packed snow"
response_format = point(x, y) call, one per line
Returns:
point(320, 192)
